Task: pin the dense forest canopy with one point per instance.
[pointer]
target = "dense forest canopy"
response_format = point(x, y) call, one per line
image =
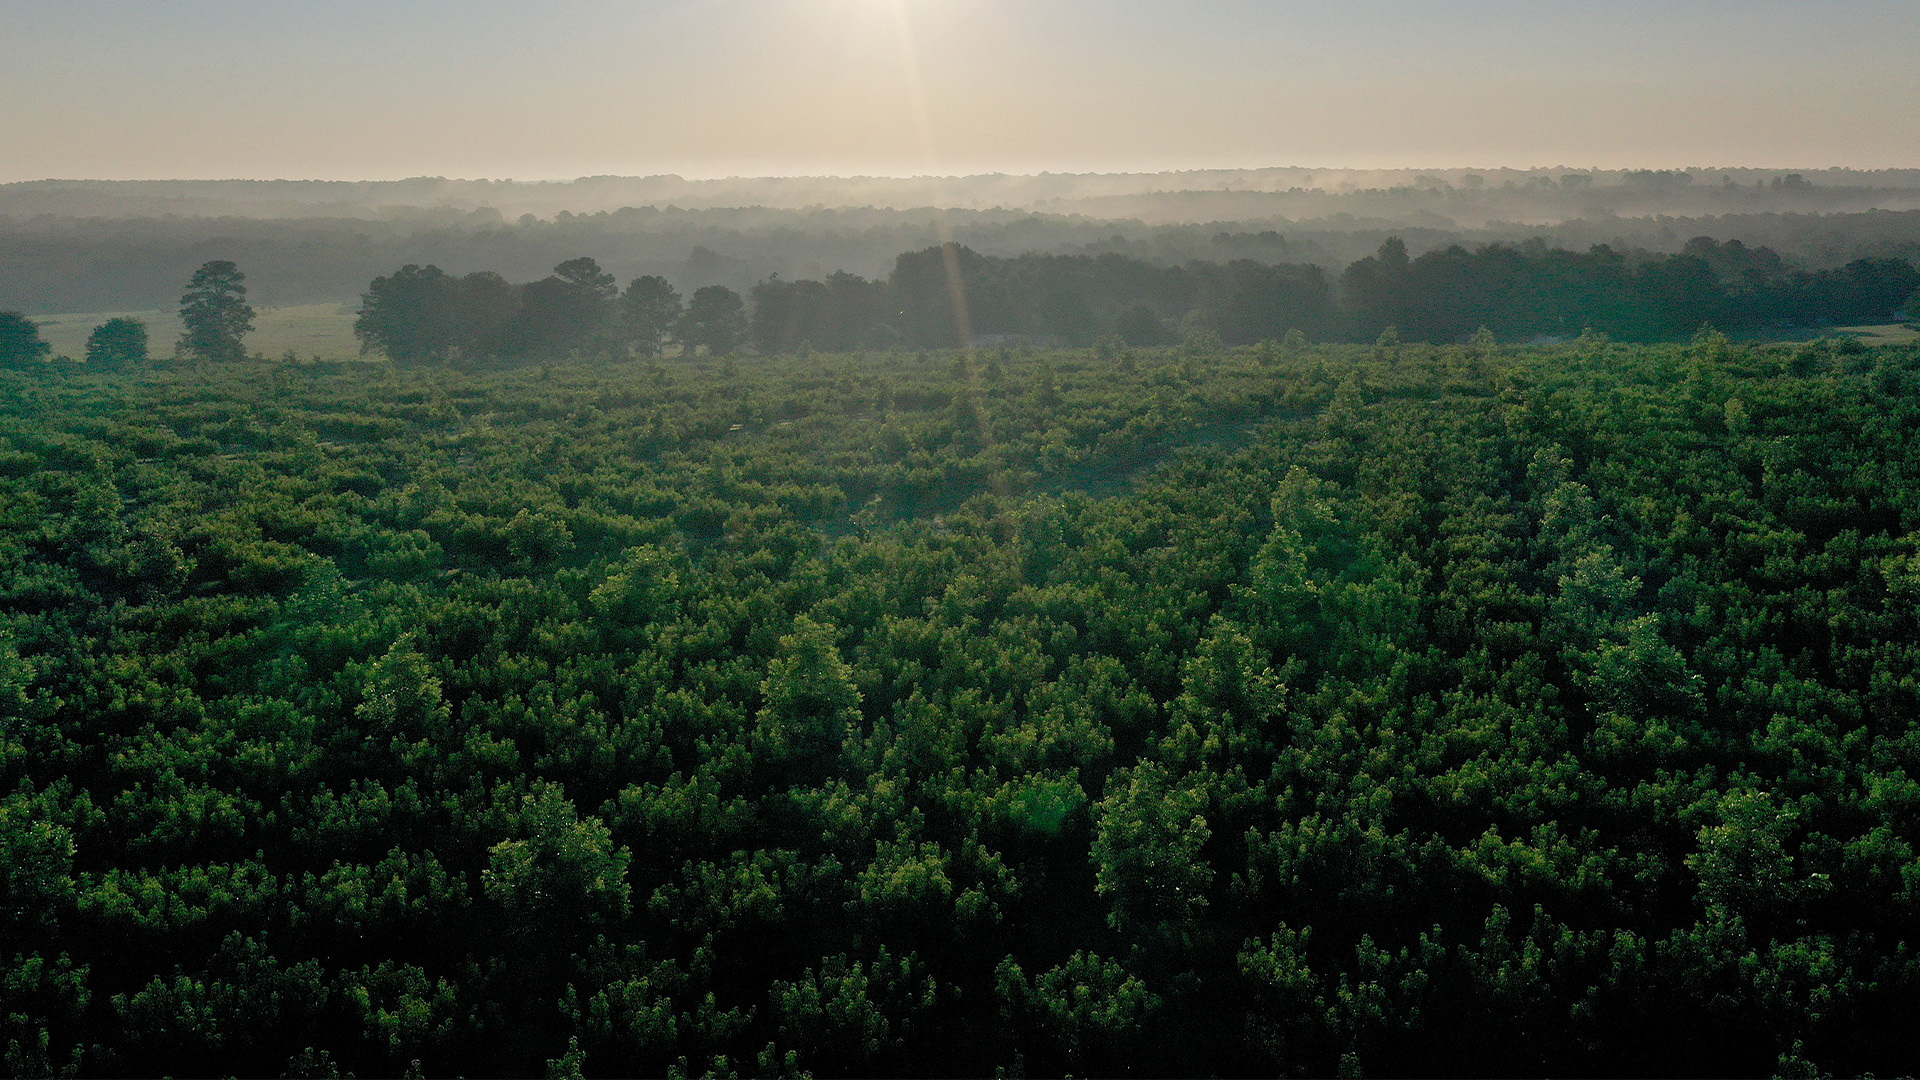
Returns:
point(1197, 710)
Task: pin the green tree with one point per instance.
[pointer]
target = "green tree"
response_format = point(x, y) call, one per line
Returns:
point(409, 315)
point(118, 341)
point(1199, 332)
point(36, 865)
point(1092, 1010)
point(1374, 287)
point(1146, 848)
point(20, 339)
point(648, 311)
point(811, 700)
point(215, 313)
point(716, 318)
point(1139, 324)
point(570, 1065)
point(486, 308)
point(563, 869)
point(402, 697)
point(568, 309)
point(1483, 344)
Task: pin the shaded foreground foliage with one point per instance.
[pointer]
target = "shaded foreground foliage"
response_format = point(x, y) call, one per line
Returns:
point(1437, 711)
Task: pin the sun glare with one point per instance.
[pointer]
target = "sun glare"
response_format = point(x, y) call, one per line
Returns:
point(898, 22)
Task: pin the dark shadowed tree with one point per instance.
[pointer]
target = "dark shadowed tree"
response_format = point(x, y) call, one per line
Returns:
point(585, 274)
point(1874, 289)
point(408, 315)
point(215, 313)
point(784, 313)
point(486, 308)
point(1139, 324)
point(648, 311)
point(946, 296)
point(858, 312)
point(716, 318)
point(567, 310)
point(118, 341)
point(1254, 301)
point(1375, 288)
point(842, 313)
point(20, 339)
point(1675, 295)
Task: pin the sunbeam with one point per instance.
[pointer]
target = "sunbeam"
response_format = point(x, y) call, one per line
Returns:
point(916, 89)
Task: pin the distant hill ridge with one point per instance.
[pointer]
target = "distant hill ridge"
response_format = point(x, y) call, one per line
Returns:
point(1159, 196)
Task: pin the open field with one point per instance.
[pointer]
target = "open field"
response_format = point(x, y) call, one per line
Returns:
point(1890, 334)
point(323, 330)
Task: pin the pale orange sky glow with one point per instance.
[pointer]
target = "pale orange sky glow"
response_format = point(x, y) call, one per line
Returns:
point(294, 88)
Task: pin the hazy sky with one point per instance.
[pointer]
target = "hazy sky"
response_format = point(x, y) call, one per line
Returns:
point(377, 89)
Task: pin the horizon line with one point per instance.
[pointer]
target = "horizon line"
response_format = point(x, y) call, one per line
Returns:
point(933, 176)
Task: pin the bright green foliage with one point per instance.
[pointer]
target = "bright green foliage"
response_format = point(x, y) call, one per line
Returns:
point(811, 699)
point(1194, 711)
point(1088, 1013)
point(1147, 846)
point(561, 869)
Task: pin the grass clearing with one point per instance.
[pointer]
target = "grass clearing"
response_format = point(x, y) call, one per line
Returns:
point(323, 330)
point(1890, 334)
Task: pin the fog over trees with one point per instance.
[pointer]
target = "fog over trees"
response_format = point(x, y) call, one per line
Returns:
point(75, 246)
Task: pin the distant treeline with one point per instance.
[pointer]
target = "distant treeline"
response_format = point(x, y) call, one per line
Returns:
point(950, 295)
point(1531, 290)
point(125, 264)
point(1188, 195)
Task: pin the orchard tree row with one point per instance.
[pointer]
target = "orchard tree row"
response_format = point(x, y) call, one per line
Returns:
point(1281, 709)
